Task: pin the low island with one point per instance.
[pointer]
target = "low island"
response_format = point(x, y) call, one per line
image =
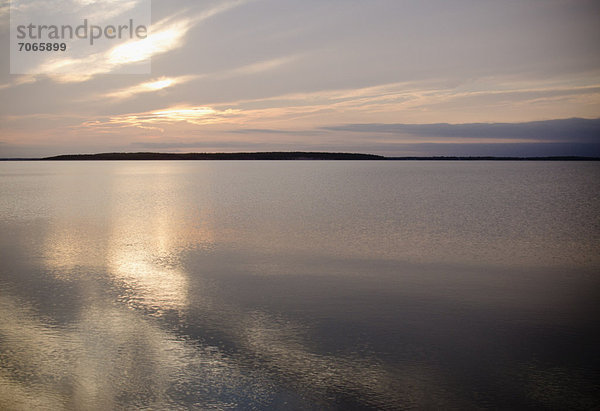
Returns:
point(284, 155)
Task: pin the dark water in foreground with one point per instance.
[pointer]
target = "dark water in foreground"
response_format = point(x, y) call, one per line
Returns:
point(313, 285)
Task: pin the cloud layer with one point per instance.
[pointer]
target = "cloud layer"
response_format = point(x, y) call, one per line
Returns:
point(388, 77)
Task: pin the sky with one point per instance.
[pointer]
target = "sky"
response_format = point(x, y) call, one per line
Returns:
point(390, 77)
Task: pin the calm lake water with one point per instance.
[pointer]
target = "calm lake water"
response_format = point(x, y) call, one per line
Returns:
point(299, 285)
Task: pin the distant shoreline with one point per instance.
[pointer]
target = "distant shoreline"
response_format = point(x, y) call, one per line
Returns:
point(296, 155)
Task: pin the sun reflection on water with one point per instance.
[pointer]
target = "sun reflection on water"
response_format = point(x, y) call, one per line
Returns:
point(143, 252)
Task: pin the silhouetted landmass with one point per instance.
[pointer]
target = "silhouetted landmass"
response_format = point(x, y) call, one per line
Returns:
point(296, 155)
point(220, 156)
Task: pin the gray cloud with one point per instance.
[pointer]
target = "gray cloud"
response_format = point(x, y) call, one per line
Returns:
point(567, 130)
point(258, 131)
point(498, 150)
point(566, 137)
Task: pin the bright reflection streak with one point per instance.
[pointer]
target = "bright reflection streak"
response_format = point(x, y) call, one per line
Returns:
point(155, 287)
point(141, 257)
point(143, 249)
point(139, 250)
